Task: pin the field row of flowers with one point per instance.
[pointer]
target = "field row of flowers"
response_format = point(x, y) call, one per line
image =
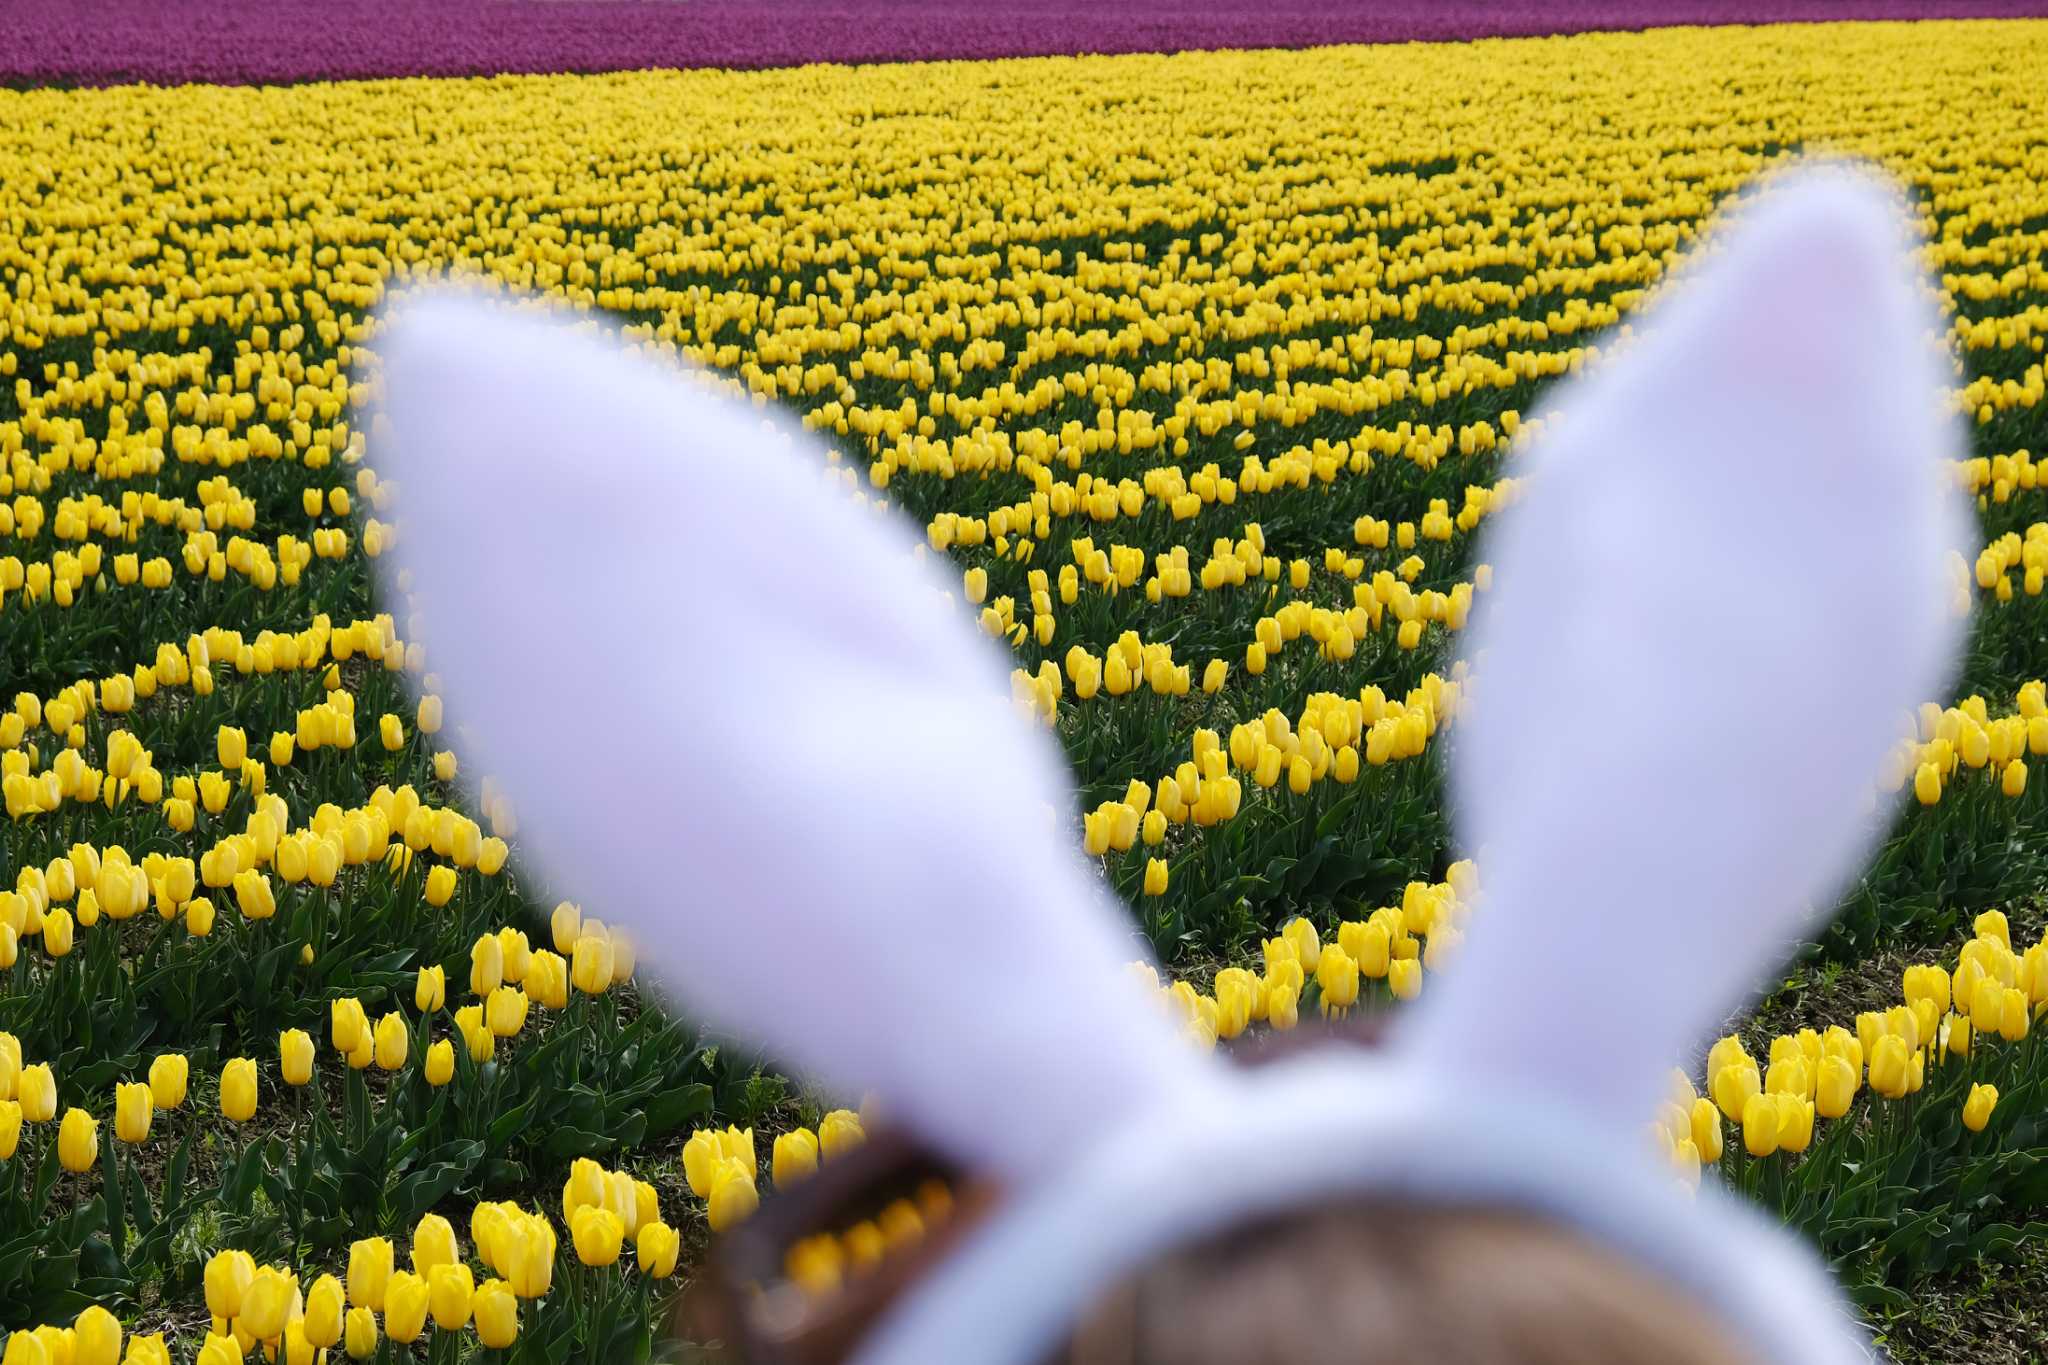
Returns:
point(238, 42)
point(1204, 390)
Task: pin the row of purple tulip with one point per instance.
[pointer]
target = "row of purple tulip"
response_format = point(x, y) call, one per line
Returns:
point(103, 42)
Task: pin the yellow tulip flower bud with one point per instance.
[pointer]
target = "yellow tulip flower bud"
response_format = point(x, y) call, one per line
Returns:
point(505, 1011)
point(359, 1334)
point(326, 1305)
point(1762, 1119)
point(733, 1199)
point(295, 1056)
point(598, 1234)
point(496, 1311)
point(1283, 1000)
point(370, 1263)
point(1704, 1129)
point(405, 1306)
point(238, 1090)
point(393, 1043)
point(2014, 1018)
point(267, 1303)
point(1732, 1086)
point(590, 969)
point(658, 1247)
point(1155, 875)
point(451, 1292)
point(1837, 1086)
point(486, 965)
point(428, 719)
point(167, 1080)
point(1404, 978)
point(795, 1157)
point(565, 926)
point(226, 1279)
point(220, 1350)
point(440, 888)
point(1890, 1067)
point(433, 1243)
point(839, 1132)
point(1978, 1106)
point(78, 1141)
point(430, 989)
point(96, 1338)
point(440, 1063)
point(133, 1109)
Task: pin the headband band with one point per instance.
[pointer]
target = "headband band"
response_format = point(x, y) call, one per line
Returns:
point(1285, 1136)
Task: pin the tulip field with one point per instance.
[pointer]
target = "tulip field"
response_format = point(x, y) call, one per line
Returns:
point(1202, 370)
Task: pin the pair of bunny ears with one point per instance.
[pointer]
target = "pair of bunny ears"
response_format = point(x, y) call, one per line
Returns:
point(738, 713)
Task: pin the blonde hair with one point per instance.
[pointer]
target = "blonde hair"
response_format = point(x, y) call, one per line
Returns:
point(1387, 1284)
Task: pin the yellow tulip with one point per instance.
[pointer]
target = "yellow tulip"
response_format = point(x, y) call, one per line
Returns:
point(795, 1157)
point(1762, 1118)
point(149, 1350)
point(1283, 1003)
point(440, 1063)
point(1733, 1085)
point(96, 1338)
point(1890, 1067)
point(505, 1011)
point(359, 1334)
point(10, 1128)
point(565, 925)
point(1704, 1130)
point(1155, 875)
point(347, 1024)
point(405, 1307)
point(370, 1262)
point(591, 968)
point(839, 1132)
point(657, 1248)
point(267, 1303)
point(451, 1294)
point(598, 1234)
point(733, 1196)
point(440, 886)
point(326, 1307)
point(57, 933)
point(227, 1277)
point(486, 965)
point(167, 1080)
point(219, 1350)
point(132, 1111)
point(1837, 1087)
point(238, 1090)
point(1404, 978)
point(394, 1044)
point(1978, 1106)
point(295, 1056)
point(78, 1141)
point(430, 990)
point(496, 1309)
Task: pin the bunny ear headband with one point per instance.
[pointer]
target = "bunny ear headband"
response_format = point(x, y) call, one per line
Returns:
point(737, 712)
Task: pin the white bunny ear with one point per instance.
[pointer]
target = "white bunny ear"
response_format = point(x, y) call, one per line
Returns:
point(1723, 590)
point(736, 715)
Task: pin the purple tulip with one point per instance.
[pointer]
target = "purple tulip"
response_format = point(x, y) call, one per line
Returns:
point(104, 42)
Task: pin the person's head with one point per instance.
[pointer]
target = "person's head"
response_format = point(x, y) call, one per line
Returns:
point(1377, 1283)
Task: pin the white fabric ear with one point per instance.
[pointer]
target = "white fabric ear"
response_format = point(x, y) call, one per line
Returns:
point(737, 716)
point(1725, 586)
